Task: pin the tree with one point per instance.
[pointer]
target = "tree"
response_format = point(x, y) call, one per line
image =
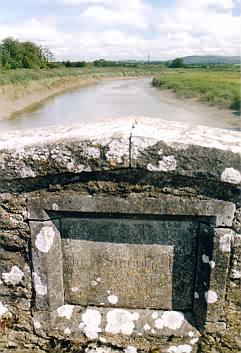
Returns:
point(100, 63)
point(68, 63)
point(47, 54)
point(178, 62)
point(16, 55)
point(11, 53)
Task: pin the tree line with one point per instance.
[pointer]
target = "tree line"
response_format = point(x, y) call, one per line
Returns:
point(17, 55)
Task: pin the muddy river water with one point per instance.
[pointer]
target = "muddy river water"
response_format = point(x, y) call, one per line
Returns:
point(115, 99)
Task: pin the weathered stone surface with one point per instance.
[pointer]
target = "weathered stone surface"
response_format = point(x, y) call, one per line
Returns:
point(136, 325)
point(176, 148)
point(140, 172)
point(221, 213)
point(144, 274)
point(155, 145)
point(47, 274)
point(74, 149)
point(15, 277)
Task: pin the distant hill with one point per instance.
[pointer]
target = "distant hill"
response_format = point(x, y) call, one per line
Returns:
point(211, 59)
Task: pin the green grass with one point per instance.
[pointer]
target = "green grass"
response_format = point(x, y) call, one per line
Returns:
point(220, 88)
point(23, 76)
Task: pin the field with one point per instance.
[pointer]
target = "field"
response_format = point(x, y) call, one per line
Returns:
point(218, 87)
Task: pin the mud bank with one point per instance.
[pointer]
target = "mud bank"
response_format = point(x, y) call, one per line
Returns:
point(15, 98)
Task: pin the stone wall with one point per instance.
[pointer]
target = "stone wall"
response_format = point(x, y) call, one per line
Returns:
point(143, 169)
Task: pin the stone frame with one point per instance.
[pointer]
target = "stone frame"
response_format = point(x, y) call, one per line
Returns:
point(215, 239)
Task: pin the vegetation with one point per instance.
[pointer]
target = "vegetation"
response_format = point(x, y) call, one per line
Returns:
point(74, 63)
point(177, 63)
point(219, 87)
point(106, 63)
point(17, 55)
point(211, 60)
point(24, 76)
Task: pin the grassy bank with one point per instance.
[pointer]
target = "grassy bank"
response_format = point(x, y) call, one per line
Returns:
point(220, 88)
point(24, 76)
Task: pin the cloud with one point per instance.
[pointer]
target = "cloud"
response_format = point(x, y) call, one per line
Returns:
point(130, 4)
point(115, 17)
point(128, 30)
point(207, 4)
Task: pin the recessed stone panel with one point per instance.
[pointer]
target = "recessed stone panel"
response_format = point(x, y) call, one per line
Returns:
point(124, 255)
point(135, 263)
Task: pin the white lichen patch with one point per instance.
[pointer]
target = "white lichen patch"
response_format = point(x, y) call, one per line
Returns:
point(40, 288)
point(27, 172)
point(231, 175)
point(225, 243)
point(183, 348)
point(36, 324)
point(205, 259)
point(55, 207)
point(92, 152)
point(67, 331)
point(120, 321)
point(14, 277)
point(167, 164)
point(136, 316)
point(170, 319)
point(91, 321)
point(75, 289)
point(100, 350)
point(130, 349)
point(154, 315)
point(93, 283)
point(44, 239)
point(146, 327)
point(66, 311)
point(117, 151)
point(211, 296)
point(212, 264)
point(113, 299)
point(159, 324)
point(194, 340)
point(236, 274)
point(3, 309)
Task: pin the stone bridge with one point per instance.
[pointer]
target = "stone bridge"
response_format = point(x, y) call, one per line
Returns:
point(120, 236)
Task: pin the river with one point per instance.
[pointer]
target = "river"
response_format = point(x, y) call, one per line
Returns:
point(118, 98)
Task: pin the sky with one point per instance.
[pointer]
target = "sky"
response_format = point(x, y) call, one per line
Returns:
point(125, 29)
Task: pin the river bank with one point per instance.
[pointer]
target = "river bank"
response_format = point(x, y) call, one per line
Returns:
point(21, 88)
point(117, 98)
point(15, 99)
point(217, 87)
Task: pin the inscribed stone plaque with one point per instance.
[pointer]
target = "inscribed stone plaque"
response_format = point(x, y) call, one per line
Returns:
point(129, 263)
point(135, 276)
